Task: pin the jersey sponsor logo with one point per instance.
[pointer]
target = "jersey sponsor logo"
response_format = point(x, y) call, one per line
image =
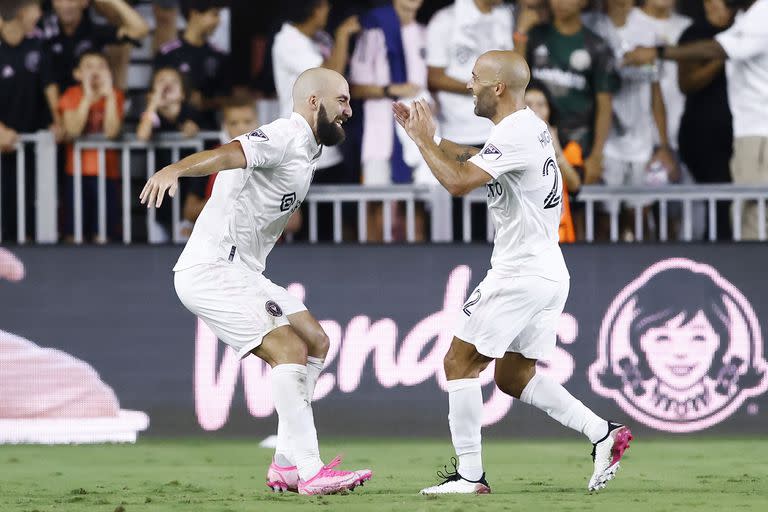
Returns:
point(555, 194)
point(473, 299)
point(258, 136)
point(559, 79)
point(273, 308)
point(32, 61)
point(580, 60)
point(490, 152)
point(287, 201)
point(684, 361)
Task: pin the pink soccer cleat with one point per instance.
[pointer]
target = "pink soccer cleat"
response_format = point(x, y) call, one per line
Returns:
point(330, 481)
point(282, 478)
point(607, 453)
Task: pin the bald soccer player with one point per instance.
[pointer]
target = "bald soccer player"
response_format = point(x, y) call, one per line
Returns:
point(219, 274)
point(512, 315)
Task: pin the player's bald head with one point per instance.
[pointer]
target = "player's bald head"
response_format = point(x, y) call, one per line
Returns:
point(319, 82)
point(321, 96)
point(507, 67)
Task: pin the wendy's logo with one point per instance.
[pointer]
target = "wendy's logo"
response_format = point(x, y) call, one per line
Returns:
point(680, 348)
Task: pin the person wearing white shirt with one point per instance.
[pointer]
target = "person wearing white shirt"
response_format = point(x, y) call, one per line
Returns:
point(668, 26)
point(745, 45)
point(512, 315)
point(456, 36)
point(302, 44)
point(219, 275)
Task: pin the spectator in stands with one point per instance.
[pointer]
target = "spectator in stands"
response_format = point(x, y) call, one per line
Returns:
point(70, 32)
point(578, 67)
point(388, 64)
point(638, 106)
point(25, 103)
point(168, 109)
point(706, 129)
point(302, 44)
point(94, 106)
point(205, 69)
point(745, 44)
point(456, 36)
point(539, 99)
point(669, 26)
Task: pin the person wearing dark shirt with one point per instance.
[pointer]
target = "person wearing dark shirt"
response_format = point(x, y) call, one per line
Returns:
point(70, 32)
point(24, 76)
point(706, 128)
point(204, 68)
point(578, 67)
point(168, 109)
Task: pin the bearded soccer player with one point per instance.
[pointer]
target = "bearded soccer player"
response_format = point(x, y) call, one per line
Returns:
point(219, 274)
point(512, 315)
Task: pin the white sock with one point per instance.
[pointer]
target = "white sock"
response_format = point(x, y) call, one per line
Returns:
point(465, 417)
point(283, 456)
point(294, 411)
point(314, 368)
point(552, 398)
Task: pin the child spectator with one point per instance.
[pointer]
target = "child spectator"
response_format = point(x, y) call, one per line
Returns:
point(538, 99)
point(577, 66)
point(93, 106)
point(168, 109)
point(205, 69)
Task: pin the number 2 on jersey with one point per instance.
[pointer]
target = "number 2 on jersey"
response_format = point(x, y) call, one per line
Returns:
point(555, 194)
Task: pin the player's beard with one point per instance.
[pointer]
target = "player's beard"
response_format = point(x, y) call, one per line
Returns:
point(328, 132)
point(486, 103)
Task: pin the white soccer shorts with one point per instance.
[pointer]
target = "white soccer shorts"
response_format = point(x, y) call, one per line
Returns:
point(513, 314)
point(240, 306)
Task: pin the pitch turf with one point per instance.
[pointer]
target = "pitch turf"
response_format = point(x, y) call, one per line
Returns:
point(227, 476)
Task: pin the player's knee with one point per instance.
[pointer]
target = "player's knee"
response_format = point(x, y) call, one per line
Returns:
point(283, 346)
point(514, 384)
point(319, 343)
point(460, 365)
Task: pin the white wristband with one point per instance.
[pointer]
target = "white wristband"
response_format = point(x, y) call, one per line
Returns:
point(437, 139)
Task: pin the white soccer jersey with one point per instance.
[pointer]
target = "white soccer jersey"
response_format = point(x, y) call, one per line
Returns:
point(250, 207)
point(524, 198)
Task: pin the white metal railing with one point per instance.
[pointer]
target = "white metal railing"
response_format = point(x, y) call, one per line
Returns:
point(45, 188)
point(686, 195)
point(175, 142)
point(438, 202)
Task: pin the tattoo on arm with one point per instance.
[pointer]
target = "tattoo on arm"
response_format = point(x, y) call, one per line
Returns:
point(463, 158)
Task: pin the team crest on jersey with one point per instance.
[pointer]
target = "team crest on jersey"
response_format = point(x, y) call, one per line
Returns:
point(273, 308)
point(258, 135)
point(680, 348)
point(490, 152)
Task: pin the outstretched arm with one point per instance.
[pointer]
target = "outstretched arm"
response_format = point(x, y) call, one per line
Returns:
point(204, 163)
point(454, 172)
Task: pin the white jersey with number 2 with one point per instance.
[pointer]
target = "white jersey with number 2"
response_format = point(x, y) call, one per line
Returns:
point(249, 208)
point(524, 197)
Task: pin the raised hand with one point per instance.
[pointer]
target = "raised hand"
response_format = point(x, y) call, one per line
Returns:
point(166, 179)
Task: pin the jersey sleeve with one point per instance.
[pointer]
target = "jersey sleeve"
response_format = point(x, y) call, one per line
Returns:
point(263, 148)
point(501, 155)
point(748, 37)
point(438, 40)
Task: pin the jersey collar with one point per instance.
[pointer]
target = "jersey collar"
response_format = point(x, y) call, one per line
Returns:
point(314, 147)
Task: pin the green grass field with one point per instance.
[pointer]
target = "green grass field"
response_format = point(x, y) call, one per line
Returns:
point(228, 476)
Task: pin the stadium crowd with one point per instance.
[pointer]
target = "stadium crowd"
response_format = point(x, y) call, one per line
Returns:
point(634, 93)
